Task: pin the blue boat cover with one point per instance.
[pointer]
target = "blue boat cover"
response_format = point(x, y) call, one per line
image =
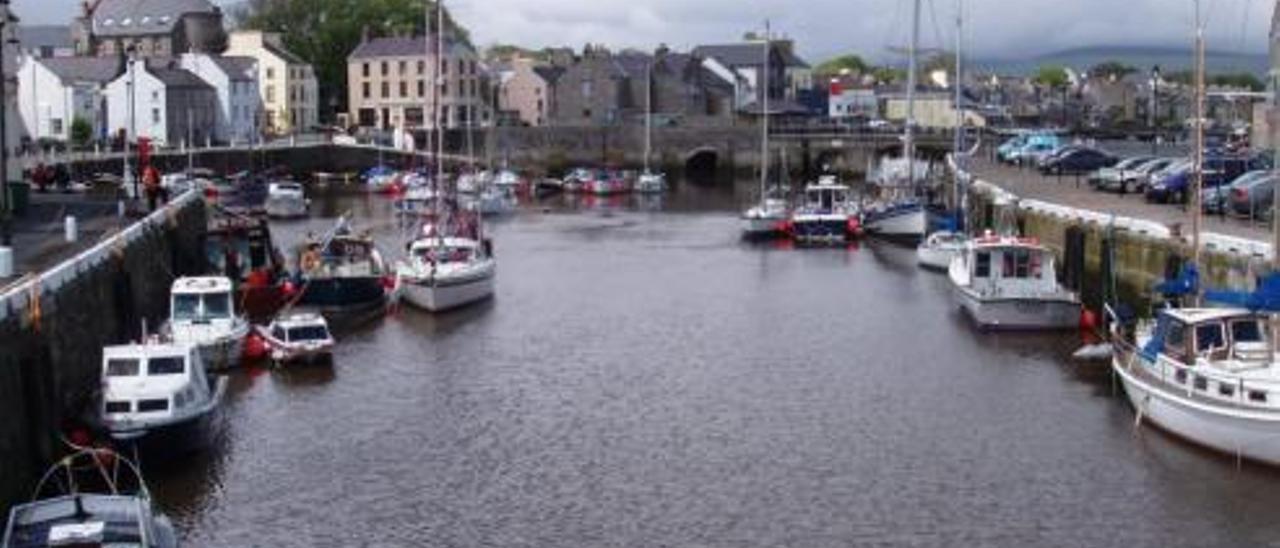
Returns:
point(1266, 298)
point(1187, 283)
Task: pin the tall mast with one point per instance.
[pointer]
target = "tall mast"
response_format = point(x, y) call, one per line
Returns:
point(437, 73)
point(764, 113)
point(648, 115)
point(1199, 152)
point(958, 141)
point(909, 139)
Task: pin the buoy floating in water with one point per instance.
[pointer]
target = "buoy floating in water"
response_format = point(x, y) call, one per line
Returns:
point(254, 347)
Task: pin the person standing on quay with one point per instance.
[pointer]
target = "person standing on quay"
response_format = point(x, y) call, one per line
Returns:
point(151, 181)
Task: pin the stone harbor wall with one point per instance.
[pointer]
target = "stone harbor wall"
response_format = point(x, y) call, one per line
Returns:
point(53, 328)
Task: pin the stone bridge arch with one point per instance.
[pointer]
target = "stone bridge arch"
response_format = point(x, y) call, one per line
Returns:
point(703, 162)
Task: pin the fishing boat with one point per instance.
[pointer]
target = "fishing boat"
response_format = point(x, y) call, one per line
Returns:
point(298, 338)
point(940, 249)
point(157, 394)
point(286, 200)
point(240, 247)
point(202, 314)
point(577, 179)
point(900, 214)
point(1010, 283)
point(342, 273)
point(415, 201)
point(92, 497)
point(827, 215)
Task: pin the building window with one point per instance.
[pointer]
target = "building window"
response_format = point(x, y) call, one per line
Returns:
point(386, 90)
point(462, 66)
point(57, 125)
point(422, 88)
point(404, 89)
point(444, 88)
point(586, 113)
point(385, 68)
point(271, 93)
point(155, 96)
point(366, 90)
point(404, 67)
point(587, 88)
point(155, 116)
point(444, 66)
point(422, 67)
point(365, 70)
point(271, 73)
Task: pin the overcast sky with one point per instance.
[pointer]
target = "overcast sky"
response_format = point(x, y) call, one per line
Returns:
point(997, 28)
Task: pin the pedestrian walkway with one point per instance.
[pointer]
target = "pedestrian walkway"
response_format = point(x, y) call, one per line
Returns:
point(39, 235)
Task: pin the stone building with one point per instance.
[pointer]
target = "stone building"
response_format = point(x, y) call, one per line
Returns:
point(602, 88)
point(389, 84)
point(161, 102)
point(154, 28)
point(528, 91)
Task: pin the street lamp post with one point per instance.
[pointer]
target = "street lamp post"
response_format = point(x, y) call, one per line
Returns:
point(1155, 109)
point(131, 88)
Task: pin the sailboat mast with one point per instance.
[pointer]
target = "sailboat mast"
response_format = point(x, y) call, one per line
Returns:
point(958, 132)
point(909, 139)
point(648, 115)
point(764, 113)
point(1199, 152)
point(439, 151)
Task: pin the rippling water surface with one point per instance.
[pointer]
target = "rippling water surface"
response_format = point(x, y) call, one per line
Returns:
point(643, 378)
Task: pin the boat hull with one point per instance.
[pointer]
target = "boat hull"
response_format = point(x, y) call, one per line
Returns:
point(1019, 314)
point(172, 436)
point(908, 224)
point(825, 230)
point(225, 353)
point(441, 296)
point(936, 258)
point(761, 226)
point(1249, 435)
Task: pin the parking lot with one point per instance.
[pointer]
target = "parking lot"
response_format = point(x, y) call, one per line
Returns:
point(1074, 191)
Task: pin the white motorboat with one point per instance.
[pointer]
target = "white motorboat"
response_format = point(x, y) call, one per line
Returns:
point(156, 392)
point(1208, 375)
point(416, 201)
point(828, 215)
point(576, 180)
point(494, 201)
point(93, 497)
point(443, 273)
point(1004, 282)
point(940, 249)
point(202, 314)
point(471, 182)
point(286, 200)
point(508, 181)
point(303, 337)
point(904, 219)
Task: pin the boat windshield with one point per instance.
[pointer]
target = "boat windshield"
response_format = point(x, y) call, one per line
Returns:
point(169, 365)
point(308, 333)
point(122, 367)
point(191, 307)
point(1247, 331)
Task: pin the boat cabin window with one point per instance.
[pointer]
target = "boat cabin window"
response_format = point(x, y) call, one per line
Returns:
point(122, 367)
point(982, 268)
point(172, 365)
point(1246, 331)
point(1175, 340)
point(308, 333)
point(444, 254)
point(202, 307)
point(278, 333)
point(1210, 337)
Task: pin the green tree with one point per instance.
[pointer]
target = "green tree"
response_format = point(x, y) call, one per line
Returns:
point(81, 132)
point(852, 63)
point(889, 75)
point(1051, 76)
point(1111, 69)
point(1239, 80)
point(325, 32)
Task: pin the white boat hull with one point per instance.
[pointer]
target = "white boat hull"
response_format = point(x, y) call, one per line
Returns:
point(1251, 435)
point(936, 258)
point(761, 226)
point(286, 208)
point(439, 297)
point(912, 224)
point(1019, 314)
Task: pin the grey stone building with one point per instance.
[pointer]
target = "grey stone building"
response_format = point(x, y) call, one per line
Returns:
point(154, 28)
point(602, 88)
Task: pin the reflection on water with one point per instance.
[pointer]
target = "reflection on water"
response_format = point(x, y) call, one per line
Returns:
point(645, 378)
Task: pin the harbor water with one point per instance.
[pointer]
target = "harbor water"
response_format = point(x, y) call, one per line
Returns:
point(645, 378)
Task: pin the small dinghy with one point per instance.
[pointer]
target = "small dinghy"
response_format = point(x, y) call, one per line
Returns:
point(298, 338)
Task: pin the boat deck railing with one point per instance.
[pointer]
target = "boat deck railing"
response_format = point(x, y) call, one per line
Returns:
point(1200, 382)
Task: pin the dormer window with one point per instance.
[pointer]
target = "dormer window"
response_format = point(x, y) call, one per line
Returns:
point(126, 22)
point(145, 19)
point(164, 20)
point(109, 23)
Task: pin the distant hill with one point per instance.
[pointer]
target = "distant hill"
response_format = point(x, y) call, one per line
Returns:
point(1144, 57)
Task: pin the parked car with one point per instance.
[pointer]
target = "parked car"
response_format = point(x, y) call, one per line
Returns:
point(1117, 172)
point(1028, 147)
point(1082, 160)
point(1252, 194)
point(1039, 159)
point(1218, 171)
point(1138, 178)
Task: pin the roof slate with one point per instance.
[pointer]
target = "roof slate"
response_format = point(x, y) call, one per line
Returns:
point(145, 16)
